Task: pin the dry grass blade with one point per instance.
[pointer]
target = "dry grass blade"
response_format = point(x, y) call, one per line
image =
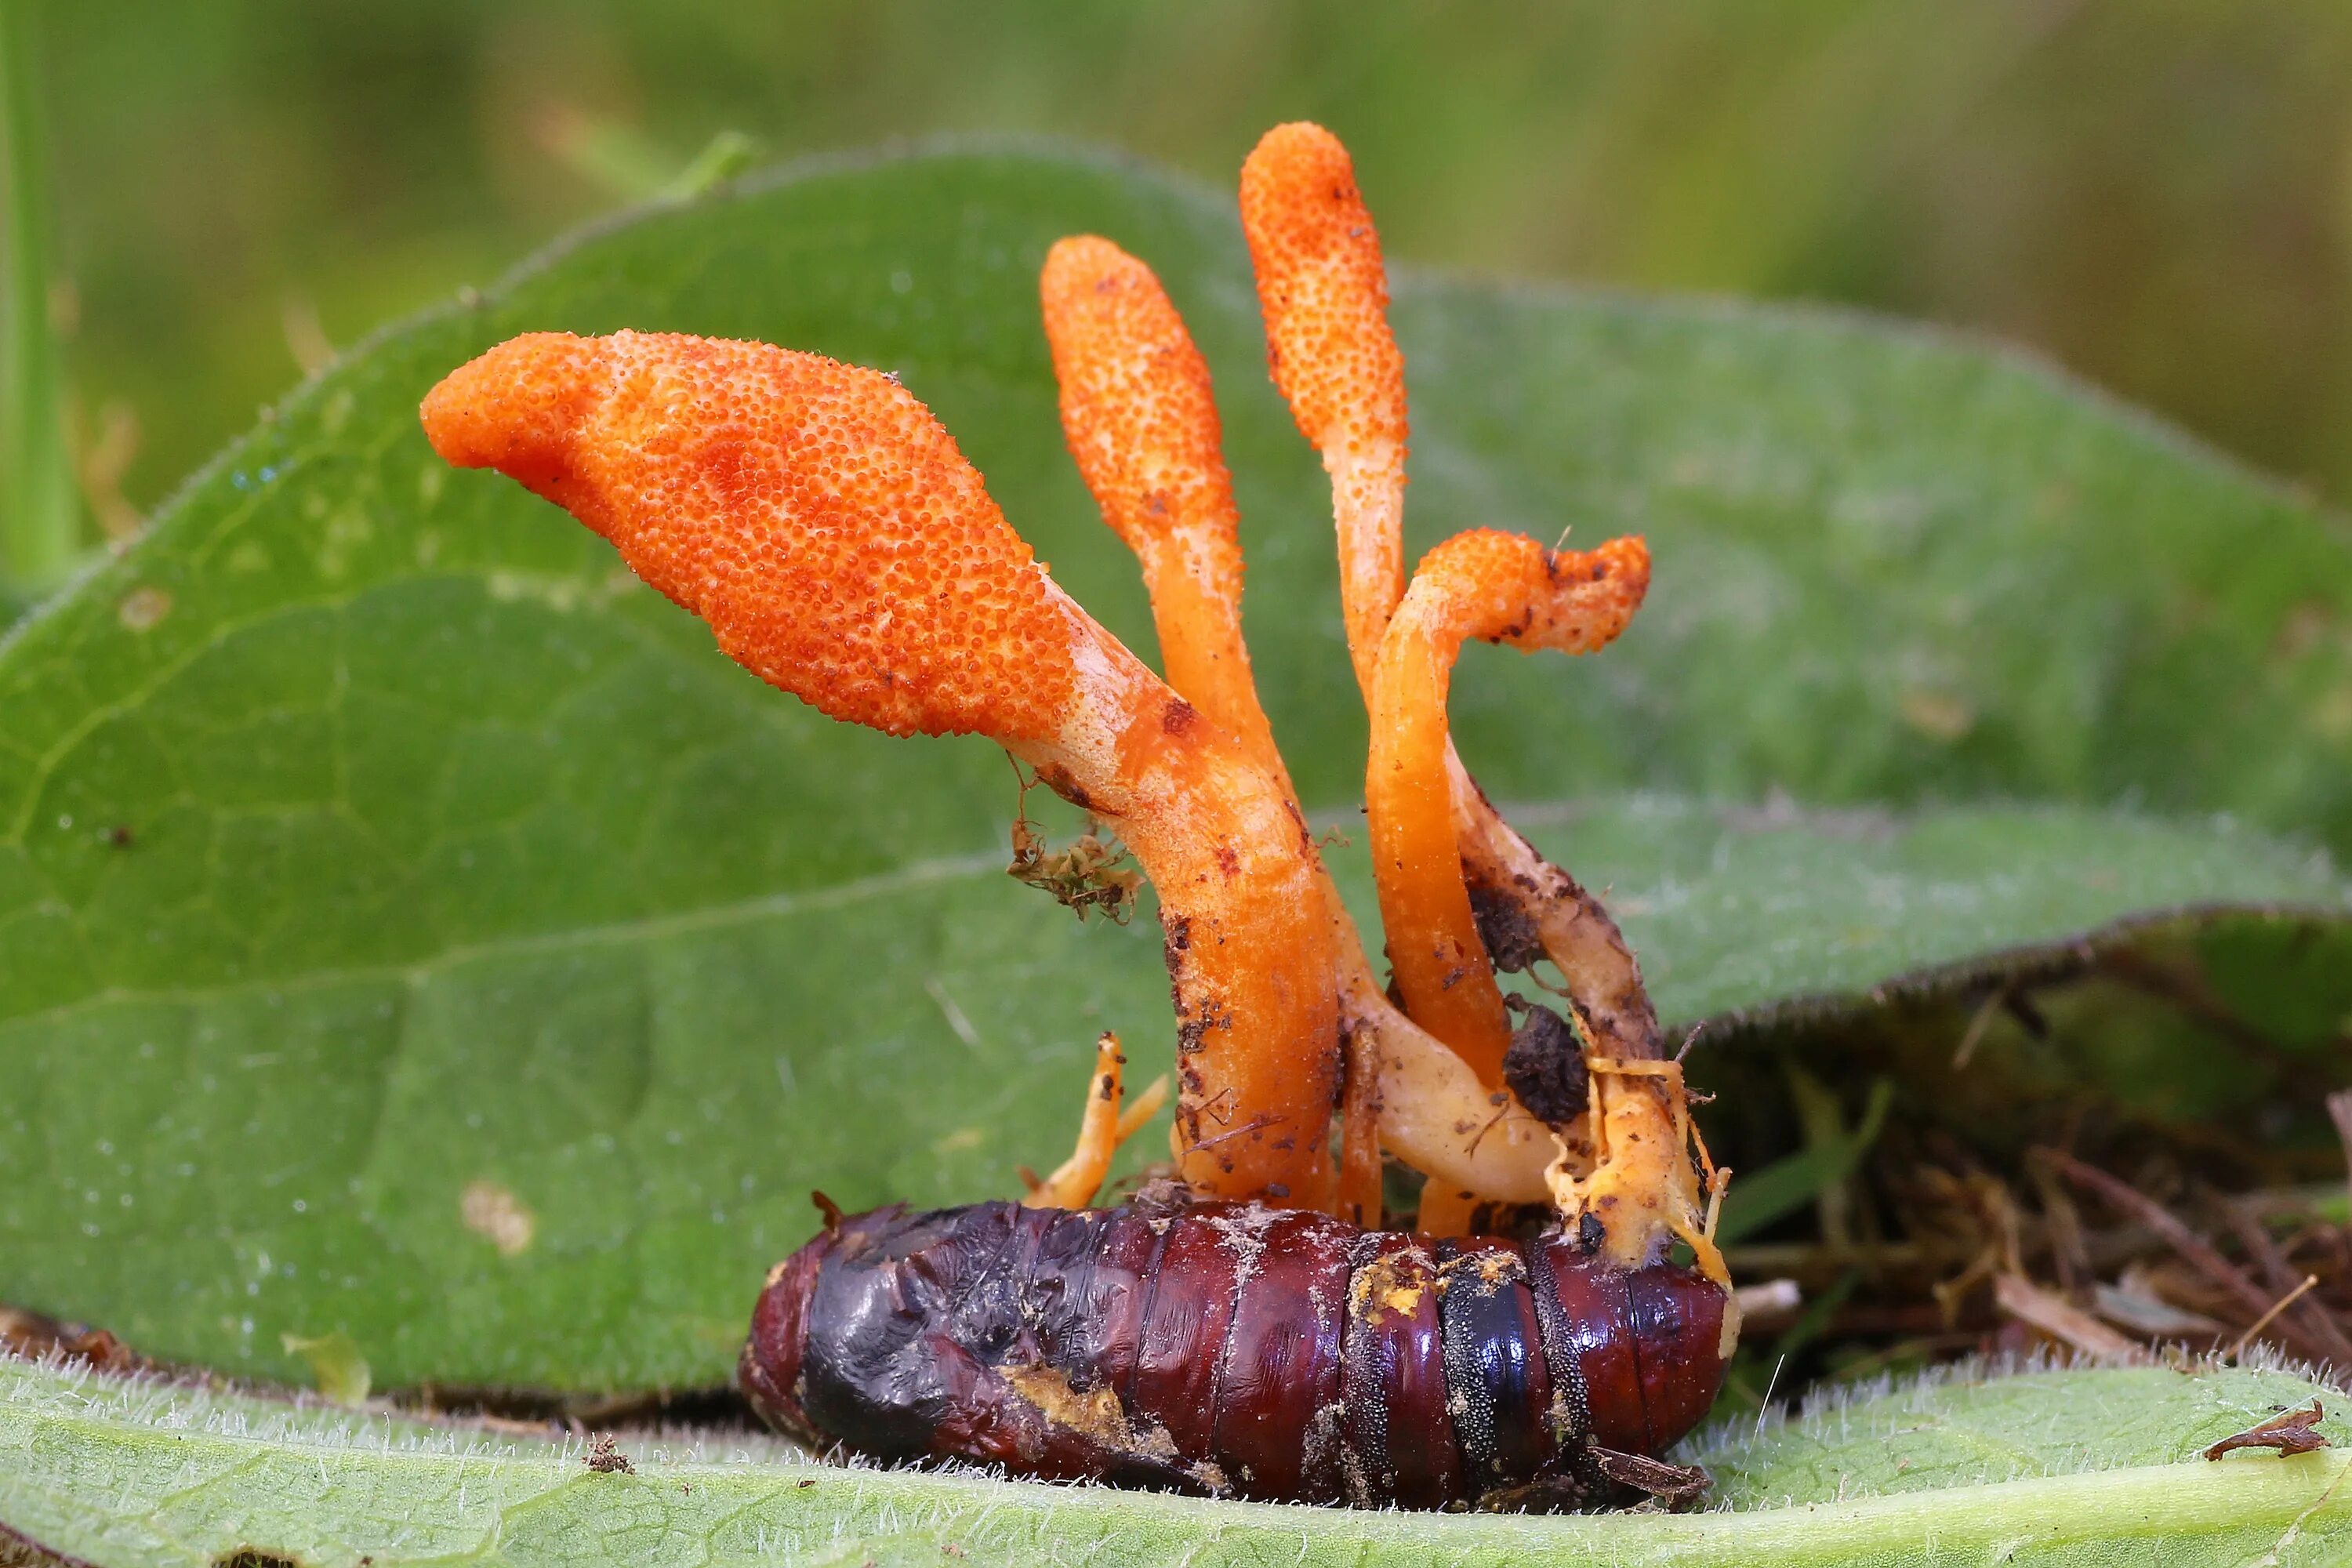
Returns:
point(2029, 1303)
point(2193, 1249)
point(2068, 1254)
point(2238, 1350)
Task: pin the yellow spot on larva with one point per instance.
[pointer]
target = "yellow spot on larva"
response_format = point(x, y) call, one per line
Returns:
point(498, 1216)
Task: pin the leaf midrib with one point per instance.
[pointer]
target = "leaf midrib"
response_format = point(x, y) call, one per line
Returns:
point(929, 872)
point(2183, 1500)
point(985, 864)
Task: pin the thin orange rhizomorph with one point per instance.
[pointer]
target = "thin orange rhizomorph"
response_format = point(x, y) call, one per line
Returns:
point(1107, 1122)
point(840, 547)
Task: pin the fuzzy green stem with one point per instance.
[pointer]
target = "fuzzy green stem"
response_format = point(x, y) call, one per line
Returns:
point(92, 1464)
point(40, 523)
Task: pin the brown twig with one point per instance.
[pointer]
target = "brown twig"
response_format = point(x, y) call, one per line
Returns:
point(2339, 1111)
point(2317, 1323)
point(2192, 1247)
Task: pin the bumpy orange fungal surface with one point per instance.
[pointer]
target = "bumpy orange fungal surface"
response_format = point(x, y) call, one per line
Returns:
point(1324, 293)
point(822, 523)
point(1140, 418)
point(1322, 288)
point(866, 571)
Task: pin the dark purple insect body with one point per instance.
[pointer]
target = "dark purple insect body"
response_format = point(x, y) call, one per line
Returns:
point(1230, 1349)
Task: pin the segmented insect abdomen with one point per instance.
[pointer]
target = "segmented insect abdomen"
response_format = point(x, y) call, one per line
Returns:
point(1228, 1349)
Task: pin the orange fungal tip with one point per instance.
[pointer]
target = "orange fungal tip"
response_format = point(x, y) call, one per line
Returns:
point(1137, 406)
point(1322, 289)
point(516, 408)
point(1141, 422)
point(1506, 588)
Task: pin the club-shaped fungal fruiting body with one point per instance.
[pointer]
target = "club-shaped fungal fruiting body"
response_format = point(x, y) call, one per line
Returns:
point(1244, 1328)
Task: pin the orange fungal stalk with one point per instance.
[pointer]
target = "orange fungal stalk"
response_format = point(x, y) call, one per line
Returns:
point(1141, 422)
point(1498, 587)
point(841, 548)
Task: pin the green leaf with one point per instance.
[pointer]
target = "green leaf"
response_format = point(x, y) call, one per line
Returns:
point(1971, 1430)
point(1787, 1186)
point(410, 927)
point(2055, 1469)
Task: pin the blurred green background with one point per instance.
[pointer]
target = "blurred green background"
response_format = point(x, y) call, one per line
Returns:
point(2156, 193)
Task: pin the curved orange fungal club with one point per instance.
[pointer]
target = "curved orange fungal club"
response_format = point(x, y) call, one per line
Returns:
point(1506, 588)
point(1140, 418)
point(1498, 588)
point(840, 547)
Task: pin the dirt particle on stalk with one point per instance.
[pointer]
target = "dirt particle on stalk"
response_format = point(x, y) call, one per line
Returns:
point(604, 1457)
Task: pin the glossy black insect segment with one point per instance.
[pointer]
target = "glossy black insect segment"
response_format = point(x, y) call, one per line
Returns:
point(1232, 1350)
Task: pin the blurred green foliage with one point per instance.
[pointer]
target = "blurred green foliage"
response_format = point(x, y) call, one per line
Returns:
point(2156, 192)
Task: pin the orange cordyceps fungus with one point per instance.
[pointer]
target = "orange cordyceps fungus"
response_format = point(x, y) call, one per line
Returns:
point(1141, 422)
point(1496, 587)
point(1325, 297)
point(822, 522)
point(840, 546)
point(1324, 294)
